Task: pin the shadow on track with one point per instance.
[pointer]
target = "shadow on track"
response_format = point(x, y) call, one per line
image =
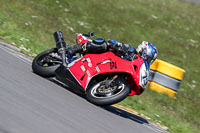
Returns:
point(111, 108)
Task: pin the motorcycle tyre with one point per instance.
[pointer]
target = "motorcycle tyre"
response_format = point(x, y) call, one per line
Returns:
point(44, 71)
point(110, 100)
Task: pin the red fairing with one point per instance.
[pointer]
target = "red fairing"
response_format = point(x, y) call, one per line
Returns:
point(90, 65)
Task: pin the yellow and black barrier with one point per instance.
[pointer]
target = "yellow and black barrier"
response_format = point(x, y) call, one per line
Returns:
point(165, 77)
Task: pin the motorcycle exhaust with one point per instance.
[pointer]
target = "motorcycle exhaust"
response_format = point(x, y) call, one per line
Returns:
point(61, 46)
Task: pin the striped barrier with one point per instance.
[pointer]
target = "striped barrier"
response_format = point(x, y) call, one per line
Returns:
point(165, 77)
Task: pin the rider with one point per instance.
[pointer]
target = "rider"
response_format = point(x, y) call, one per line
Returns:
point(147, 51)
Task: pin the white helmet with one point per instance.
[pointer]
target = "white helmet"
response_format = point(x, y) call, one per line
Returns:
point(147, 51)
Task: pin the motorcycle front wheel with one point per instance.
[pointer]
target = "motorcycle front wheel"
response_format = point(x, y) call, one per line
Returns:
point(45, 63)
point(102, 95)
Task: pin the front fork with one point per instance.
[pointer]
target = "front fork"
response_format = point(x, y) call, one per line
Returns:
point(107, 84)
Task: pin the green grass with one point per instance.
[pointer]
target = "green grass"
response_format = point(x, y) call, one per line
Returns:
point(171, 25)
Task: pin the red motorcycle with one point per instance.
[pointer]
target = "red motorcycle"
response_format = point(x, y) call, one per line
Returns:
point(105, 78)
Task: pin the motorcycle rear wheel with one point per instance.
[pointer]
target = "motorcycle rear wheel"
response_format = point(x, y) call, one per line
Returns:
point(40, 67)
point(97, 96)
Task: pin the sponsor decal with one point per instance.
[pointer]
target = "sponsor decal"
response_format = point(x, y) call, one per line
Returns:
point(88, 73)
point(113, 65)
point(88, 59)
point(90, 64)
point(83, 68)
point(97, 68)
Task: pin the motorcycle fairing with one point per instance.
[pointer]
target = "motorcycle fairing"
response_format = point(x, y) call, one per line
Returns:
point(82, 39)
point(64, 75)
point(91, 65)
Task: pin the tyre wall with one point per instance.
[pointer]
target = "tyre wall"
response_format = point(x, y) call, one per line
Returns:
point(165, 77)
